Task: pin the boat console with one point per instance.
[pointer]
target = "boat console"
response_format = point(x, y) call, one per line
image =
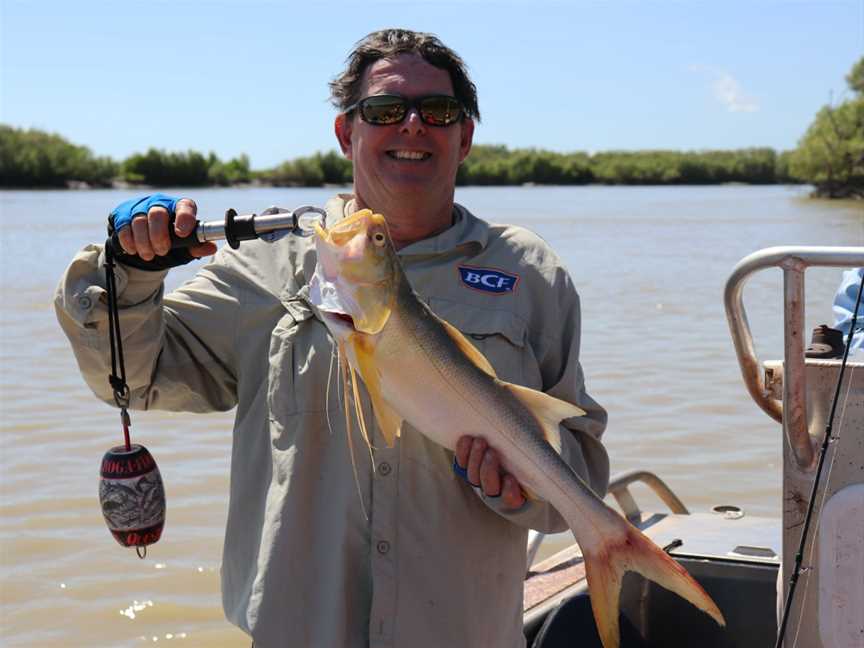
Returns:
point(744, 561)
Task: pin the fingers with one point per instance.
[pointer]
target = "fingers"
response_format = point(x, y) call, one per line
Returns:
point(475, 458)
point(511, 492)
point(490, 473)
point(186, 212)
point(463, 449)
point(149, 235)
point(205, 249)
point(157, 228)
point(483, 466)
point(141, 233)
point(127, 240)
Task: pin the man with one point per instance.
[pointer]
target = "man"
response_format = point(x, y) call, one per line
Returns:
point(406, 552)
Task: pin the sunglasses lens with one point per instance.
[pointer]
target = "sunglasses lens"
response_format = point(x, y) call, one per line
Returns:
point(383, 109)
point(391, 109)
point(440, 111)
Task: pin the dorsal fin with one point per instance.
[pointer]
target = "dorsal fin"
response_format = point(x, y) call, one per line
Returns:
point(548, 410)
point(467, 348)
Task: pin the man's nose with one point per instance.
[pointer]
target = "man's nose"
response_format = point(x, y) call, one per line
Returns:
point(413, 123)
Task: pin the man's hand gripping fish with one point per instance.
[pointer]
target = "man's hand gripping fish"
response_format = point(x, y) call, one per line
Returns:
point(420, 369)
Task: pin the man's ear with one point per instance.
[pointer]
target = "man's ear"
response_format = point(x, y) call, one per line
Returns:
point(342, 127)
point(466, 137)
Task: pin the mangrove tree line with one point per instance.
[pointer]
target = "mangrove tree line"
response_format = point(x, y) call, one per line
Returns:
point(830, 156)
point(31, 158)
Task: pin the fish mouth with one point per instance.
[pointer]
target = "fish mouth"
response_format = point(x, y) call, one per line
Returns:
point(340, 319)
point(403, 155)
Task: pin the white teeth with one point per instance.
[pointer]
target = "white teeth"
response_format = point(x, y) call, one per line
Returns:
point(409, 155)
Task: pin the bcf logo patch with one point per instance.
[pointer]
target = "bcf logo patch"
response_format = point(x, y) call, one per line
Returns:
point(488, 280)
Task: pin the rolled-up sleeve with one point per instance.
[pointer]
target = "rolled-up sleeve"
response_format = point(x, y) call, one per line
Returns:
point(177, 350)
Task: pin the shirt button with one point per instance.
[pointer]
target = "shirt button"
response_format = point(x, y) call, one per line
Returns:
point(383, 547)
point(384, 468)
point(84, 302)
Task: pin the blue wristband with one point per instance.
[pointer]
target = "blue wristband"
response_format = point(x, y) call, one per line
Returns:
point(463, 473)
point(460, 471)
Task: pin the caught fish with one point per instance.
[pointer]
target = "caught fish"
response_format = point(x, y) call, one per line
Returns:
point(419, 369)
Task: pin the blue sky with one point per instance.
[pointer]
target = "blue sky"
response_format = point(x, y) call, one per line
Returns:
point(235, 77)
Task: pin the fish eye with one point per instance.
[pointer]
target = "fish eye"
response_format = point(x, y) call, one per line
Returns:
point(379, 239)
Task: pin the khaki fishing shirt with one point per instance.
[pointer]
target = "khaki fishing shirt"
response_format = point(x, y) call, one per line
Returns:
point(405, 553)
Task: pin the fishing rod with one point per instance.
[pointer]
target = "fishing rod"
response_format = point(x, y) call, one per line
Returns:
point(799, 556)
point(131, 492)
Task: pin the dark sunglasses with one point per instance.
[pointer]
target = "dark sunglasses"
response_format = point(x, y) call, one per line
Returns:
point(384, 110)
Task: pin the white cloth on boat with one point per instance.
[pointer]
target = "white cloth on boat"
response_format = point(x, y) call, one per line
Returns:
point(433, 564)
point(844, 304)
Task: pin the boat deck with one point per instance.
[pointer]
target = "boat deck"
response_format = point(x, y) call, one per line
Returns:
point(734, 556)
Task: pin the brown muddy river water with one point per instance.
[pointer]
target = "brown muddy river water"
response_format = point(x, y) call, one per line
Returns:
point(650, 264)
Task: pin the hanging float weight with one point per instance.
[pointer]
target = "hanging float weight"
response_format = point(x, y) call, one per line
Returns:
point(132, 496)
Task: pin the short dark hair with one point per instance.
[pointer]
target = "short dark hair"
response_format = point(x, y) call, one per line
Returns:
point(388, 43)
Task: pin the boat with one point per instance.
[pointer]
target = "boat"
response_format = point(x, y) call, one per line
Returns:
point(745, 562)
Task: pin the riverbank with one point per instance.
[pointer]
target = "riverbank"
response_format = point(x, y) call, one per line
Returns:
point(32, 159)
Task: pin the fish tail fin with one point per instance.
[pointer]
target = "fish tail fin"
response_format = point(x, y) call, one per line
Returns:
point(606, 566)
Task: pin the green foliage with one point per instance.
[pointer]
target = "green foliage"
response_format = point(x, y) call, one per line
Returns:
point(161, 168)
point(32, 158)
point(782, 170)
point(233, 172)
point(496, 165)
point(302, 172)
point(335, 168)
point(191, 169)
point(831, 153)
point(314, 171)
point(855, 78)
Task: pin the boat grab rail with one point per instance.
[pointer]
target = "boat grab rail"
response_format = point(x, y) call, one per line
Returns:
point(794, 261)
point(619, 488)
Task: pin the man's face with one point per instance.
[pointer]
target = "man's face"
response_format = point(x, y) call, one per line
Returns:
point(410, 161)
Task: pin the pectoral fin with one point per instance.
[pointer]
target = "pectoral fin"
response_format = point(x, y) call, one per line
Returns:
point(468, 349)
point(389, 422)
point(548, 410)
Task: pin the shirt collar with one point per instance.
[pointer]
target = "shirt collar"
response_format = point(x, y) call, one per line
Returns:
point(466, 228)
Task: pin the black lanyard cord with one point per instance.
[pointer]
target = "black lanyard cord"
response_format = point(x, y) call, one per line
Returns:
point(118, 382)
point(793, 580)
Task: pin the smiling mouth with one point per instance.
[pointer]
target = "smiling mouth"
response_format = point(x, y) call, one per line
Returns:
point(410, 156)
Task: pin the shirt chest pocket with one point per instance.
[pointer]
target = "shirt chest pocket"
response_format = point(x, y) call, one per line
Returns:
point(499, 335)
point(303, 369)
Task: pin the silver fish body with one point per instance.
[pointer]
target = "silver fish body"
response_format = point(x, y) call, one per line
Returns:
point(419, 369)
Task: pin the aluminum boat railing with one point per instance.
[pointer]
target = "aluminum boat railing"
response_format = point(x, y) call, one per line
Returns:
point(791, 411)
point(619, 488)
